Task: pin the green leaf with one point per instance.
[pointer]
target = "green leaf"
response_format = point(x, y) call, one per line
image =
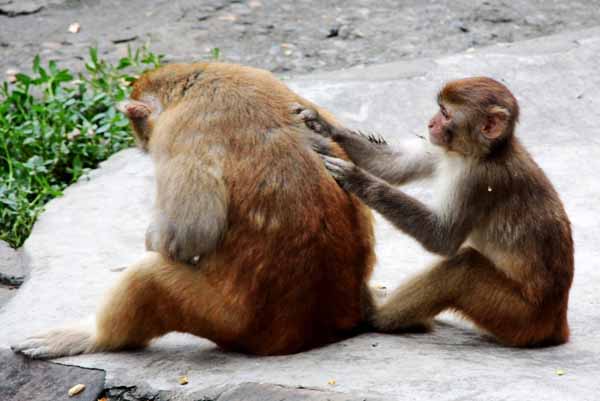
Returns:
point(26, 79)
point(94, 55)
point(36, 63)
point(124, 63)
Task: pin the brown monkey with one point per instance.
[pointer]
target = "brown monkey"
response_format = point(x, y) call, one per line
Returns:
point(499, 223)
point(284, 252)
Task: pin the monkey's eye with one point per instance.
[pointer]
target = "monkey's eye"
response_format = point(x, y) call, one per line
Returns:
point(444, 112)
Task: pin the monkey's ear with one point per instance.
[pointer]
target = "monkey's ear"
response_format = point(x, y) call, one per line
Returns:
point(495, 122)
point(134, 109)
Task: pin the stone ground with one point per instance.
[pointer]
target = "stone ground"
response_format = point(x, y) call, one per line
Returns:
point(80, 243)
point(285, 36)
point(555, 78)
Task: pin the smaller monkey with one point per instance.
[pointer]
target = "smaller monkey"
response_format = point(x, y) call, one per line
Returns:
point(499, 224)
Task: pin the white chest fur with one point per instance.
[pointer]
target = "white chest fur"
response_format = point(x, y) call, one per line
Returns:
point(449, 176)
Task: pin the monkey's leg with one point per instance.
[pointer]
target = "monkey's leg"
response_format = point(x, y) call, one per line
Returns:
point(470, 284)
point(154, 297)
point(128, 318)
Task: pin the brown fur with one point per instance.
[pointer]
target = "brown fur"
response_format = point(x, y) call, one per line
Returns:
point(502, 228)
point(290, 267)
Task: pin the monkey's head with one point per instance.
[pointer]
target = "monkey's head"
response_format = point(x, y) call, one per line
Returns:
point(476, 116)
point(153, 93)
point(142, 108)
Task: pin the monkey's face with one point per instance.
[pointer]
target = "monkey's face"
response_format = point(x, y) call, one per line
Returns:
point(444, 126)
point(437, 127)
point(469, 132)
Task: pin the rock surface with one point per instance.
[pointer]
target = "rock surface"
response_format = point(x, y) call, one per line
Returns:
point(82, 239)
point(24, 380)
point(12, 271)
point(286, 36)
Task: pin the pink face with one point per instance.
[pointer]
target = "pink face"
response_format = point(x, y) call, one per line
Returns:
point(438, 127)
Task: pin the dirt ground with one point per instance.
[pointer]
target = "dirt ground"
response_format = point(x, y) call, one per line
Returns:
point(284, 36)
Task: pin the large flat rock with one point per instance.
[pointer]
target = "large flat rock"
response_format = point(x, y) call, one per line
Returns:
point(82, 239)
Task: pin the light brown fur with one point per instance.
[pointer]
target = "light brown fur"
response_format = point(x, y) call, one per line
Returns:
point(292, 256)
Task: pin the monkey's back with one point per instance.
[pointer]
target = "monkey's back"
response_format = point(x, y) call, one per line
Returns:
point(298, 250)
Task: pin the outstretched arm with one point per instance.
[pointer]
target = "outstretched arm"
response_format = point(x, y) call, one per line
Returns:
point(411, 161)
point(408, 162)
point(438, 234)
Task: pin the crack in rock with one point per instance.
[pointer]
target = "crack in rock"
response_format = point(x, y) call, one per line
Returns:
point(128, 393)
point(11, 281)
point(13, 9)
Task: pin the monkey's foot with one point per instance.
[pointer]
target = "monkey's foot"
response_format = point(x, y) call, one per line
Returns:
point(379, 292)
point(57, 343)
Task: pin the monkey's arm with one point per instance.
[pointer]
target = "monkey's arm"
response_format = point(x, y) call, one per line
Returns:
point(437, 234)
point(411, 161)
point(191, 209)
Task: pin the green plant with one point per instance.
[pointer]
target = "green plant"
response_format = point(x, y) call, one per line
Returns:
point(53, 128)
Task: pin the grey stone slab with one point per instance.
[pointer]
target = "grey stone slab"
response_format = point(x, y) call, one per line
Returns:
point(99, 225)
point(24, 380)
point(6, 293)
point(11, 261)
point(285, 36)
point(266, 392)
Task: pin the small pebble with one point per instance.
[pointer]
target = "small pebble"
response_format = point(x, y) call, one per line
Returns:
point(75, 27)
point(76, 389)
point(183, 380)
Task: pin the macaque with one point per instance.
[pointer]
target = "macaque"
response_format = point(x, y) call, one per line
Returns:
point(498, 223)
point(281, 254)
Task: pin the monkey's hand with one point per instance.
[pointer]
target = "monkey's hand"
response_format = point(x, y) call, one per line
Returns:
point(346, 173)
point(320, 144)
point(313, 120)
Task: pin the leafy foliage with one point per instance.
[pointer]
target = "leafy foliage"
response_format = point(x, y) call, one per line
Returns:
point(54, 127)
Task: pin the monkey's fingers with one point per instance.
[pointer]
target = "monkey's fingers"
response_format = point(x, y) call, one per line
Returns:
point(304, 113)
point(296, 108)
point(320, 145)
point(372, 137)
point(311, 118)
point(338, 168)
